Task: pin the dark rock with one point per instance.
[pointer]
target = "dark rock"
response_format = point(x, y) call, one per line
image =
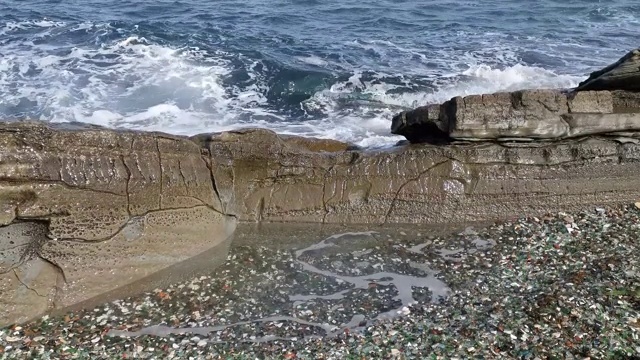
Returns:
point(624, 74)
point(422, 124)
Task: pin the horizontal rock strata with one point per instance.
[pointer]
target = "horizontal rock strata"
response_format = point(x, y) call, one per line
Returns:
point(624, 74)
point(87, 212)
point(261, 177)
point(607, 103)
point(522, 115)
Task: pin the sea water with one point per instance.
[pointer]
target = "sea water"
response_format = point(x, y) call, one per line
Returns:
point(329, 69)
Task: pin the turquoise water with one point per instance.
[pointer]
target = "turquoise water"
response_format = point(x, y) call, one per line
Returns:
point(337, 69)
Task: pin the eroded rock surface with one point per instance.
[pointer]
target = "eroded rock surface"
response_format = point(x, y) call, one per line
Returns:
point(523, 115)
point(83, 212)
point(87, 211)
point(268, 179)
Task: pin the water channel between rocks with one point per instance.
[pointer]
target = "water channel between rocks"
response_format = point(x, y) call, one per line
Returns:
point(323, 280)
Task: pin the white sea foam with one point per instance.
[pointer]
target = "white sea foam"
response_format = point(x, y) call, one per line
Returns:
point(368, 124)
point(138, 84)
point(21, 25)
point(132, 83)
point(312, 60)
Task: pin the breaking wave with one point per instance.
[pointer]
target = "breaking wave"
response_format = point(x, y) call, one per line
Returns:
point(124, 76)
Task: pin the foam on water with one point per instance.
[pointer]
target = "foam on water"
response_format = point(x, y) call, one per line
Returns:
point(367, 121)
point(131, 83)
point(141, 83)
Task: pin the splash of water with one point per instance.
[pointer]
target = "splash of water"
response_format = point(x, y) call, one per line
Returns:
point(138, 82)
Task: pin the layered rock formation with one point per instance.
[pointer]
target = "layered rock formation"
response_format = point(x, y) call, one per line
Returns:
point(522, 116)
point(604, 104)
point(261, 177)
point(624, 74)
point(84, 211)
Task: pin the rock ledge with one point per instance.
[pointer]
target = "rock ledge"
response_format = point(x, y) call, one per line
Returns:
point(87, 211)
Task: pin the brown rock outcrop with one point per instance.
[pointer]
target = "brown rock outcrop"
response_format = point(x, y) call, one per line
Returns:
point(87, 211)
point(83, 212)
point(604, 104)
point(269, 180)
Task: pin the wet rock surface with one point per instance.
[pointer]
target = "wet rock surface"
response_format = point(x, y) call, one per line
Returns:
point(562, 285)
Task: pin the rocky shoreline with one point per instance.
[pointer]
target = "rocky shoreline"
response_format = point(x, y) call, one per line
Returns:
point(86, 211)
point(607, 103)
point(562, 285)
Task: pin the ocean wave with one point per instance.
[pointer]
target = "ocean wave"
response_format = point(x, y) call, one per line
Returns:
point(476, 79)
point(11, 26)
point(374, 102)
point(121, 79)
point(130, 83)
